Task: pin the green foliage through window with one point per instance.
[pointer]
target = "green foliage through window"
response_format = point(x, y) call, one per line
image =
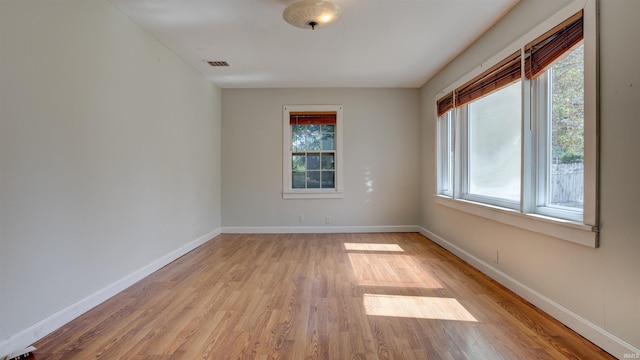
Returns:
point(567, 78)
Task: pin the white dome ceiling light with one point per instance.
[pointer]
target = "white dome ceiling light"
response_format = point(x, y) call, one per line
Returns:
point(311, 14)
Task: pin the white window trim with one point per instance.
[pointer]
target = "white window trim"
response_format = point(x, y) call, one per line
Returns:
point(572, 231)
point(443, 159)
point(583, 232)
point(288, 192)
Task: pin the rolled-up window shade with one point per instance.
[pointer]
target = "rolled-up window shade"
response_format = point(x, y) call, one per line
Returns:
point(497, 77)
point(315, 118)
point(543, 51)
point(445, 104)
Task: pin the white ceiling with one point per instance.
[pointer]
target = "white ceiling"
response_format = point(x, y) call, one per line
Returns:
point(376, 43)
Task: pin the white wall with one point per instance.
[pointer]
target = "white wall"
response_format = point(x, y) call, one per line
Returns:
point(109, 155)
point(600, 285)
point(381, 158)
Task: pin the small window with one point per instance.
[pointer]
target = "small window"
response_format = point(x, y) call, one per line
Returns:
point(445, 153)
point(312, 151)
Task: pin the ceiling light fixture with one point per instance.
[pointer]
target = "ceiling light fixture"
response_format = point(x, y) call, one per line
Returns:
point(311, 14)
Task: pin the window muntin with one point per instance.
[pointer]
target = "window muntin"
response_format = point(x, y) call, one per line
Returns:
point(312, 151)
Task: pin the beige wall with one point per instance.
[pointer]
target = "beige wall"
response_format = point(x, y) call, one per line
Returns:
point(381, 158)
point(109, 154)
point(600, 285)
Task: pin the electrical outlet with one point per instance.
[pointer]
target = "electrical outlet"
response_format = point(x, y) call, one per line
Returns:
point(301, 218)
point(327, 219)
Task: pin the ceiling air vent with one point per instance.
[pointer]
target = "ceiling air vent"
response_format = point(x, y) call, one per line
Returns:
point(217, 63)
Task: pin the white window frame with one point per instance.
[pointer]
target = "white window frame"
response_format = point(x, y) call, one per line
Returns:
point(462, 115)
point(581, 229)
point(288, 192)
point(446, 143)
point(540, 123)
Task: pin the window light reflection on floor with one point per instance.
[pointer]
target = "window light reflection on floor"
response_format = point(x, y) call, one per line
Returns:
point(372, 247)
point(419, 307)
point(392, 270)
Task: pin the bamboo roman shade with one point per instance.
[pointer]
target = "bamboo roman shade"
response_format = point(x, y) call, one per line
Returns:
point(543, 51)
point(538, 56)
point(315, 118)
point(502, 74)
point(445, 104)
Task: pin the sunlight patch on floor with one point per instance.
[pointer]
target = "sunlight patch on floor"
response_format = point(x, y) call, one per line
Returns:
point(372, 247)
point(419, 307)
point(393, 270)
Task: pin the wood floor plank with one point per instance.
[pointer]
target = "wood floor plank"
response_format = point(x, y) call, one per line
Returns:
point(316, 296)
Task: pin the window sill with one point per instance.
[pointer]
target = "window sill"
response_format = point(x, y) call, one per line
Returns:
point(312, 195)
point(572, 231)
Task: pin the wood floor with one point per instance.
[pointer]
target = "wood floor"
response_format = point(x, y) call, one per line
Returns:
point(316, 296)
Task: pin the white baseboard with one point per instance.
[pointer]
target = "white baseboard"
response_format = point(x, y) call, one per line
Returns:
point(318, 229)
point(44, 327)
point(594, 333)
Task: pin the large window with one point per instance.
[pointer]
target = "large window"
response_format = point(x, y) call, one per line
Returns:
point(493, 132)
point(312, 151)
point(559, 115)
point(522, 136)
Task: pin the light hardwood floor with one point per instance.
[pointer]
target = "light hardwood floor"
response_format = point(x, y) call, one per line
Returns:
point(316, 296)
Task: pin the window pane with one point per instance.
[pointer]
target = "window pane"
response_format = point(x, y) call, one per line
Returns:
point(298, 163)
point(327, 161)
point(313, 142)
point(299, 178)
point(313, 179)
point(313, 161)
point(328, 128)
point(567, 130)
point(327, 142)
point(299, 128)
point(298, 142)
point(314, 129)
point(494, 144)
point(328, 179)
